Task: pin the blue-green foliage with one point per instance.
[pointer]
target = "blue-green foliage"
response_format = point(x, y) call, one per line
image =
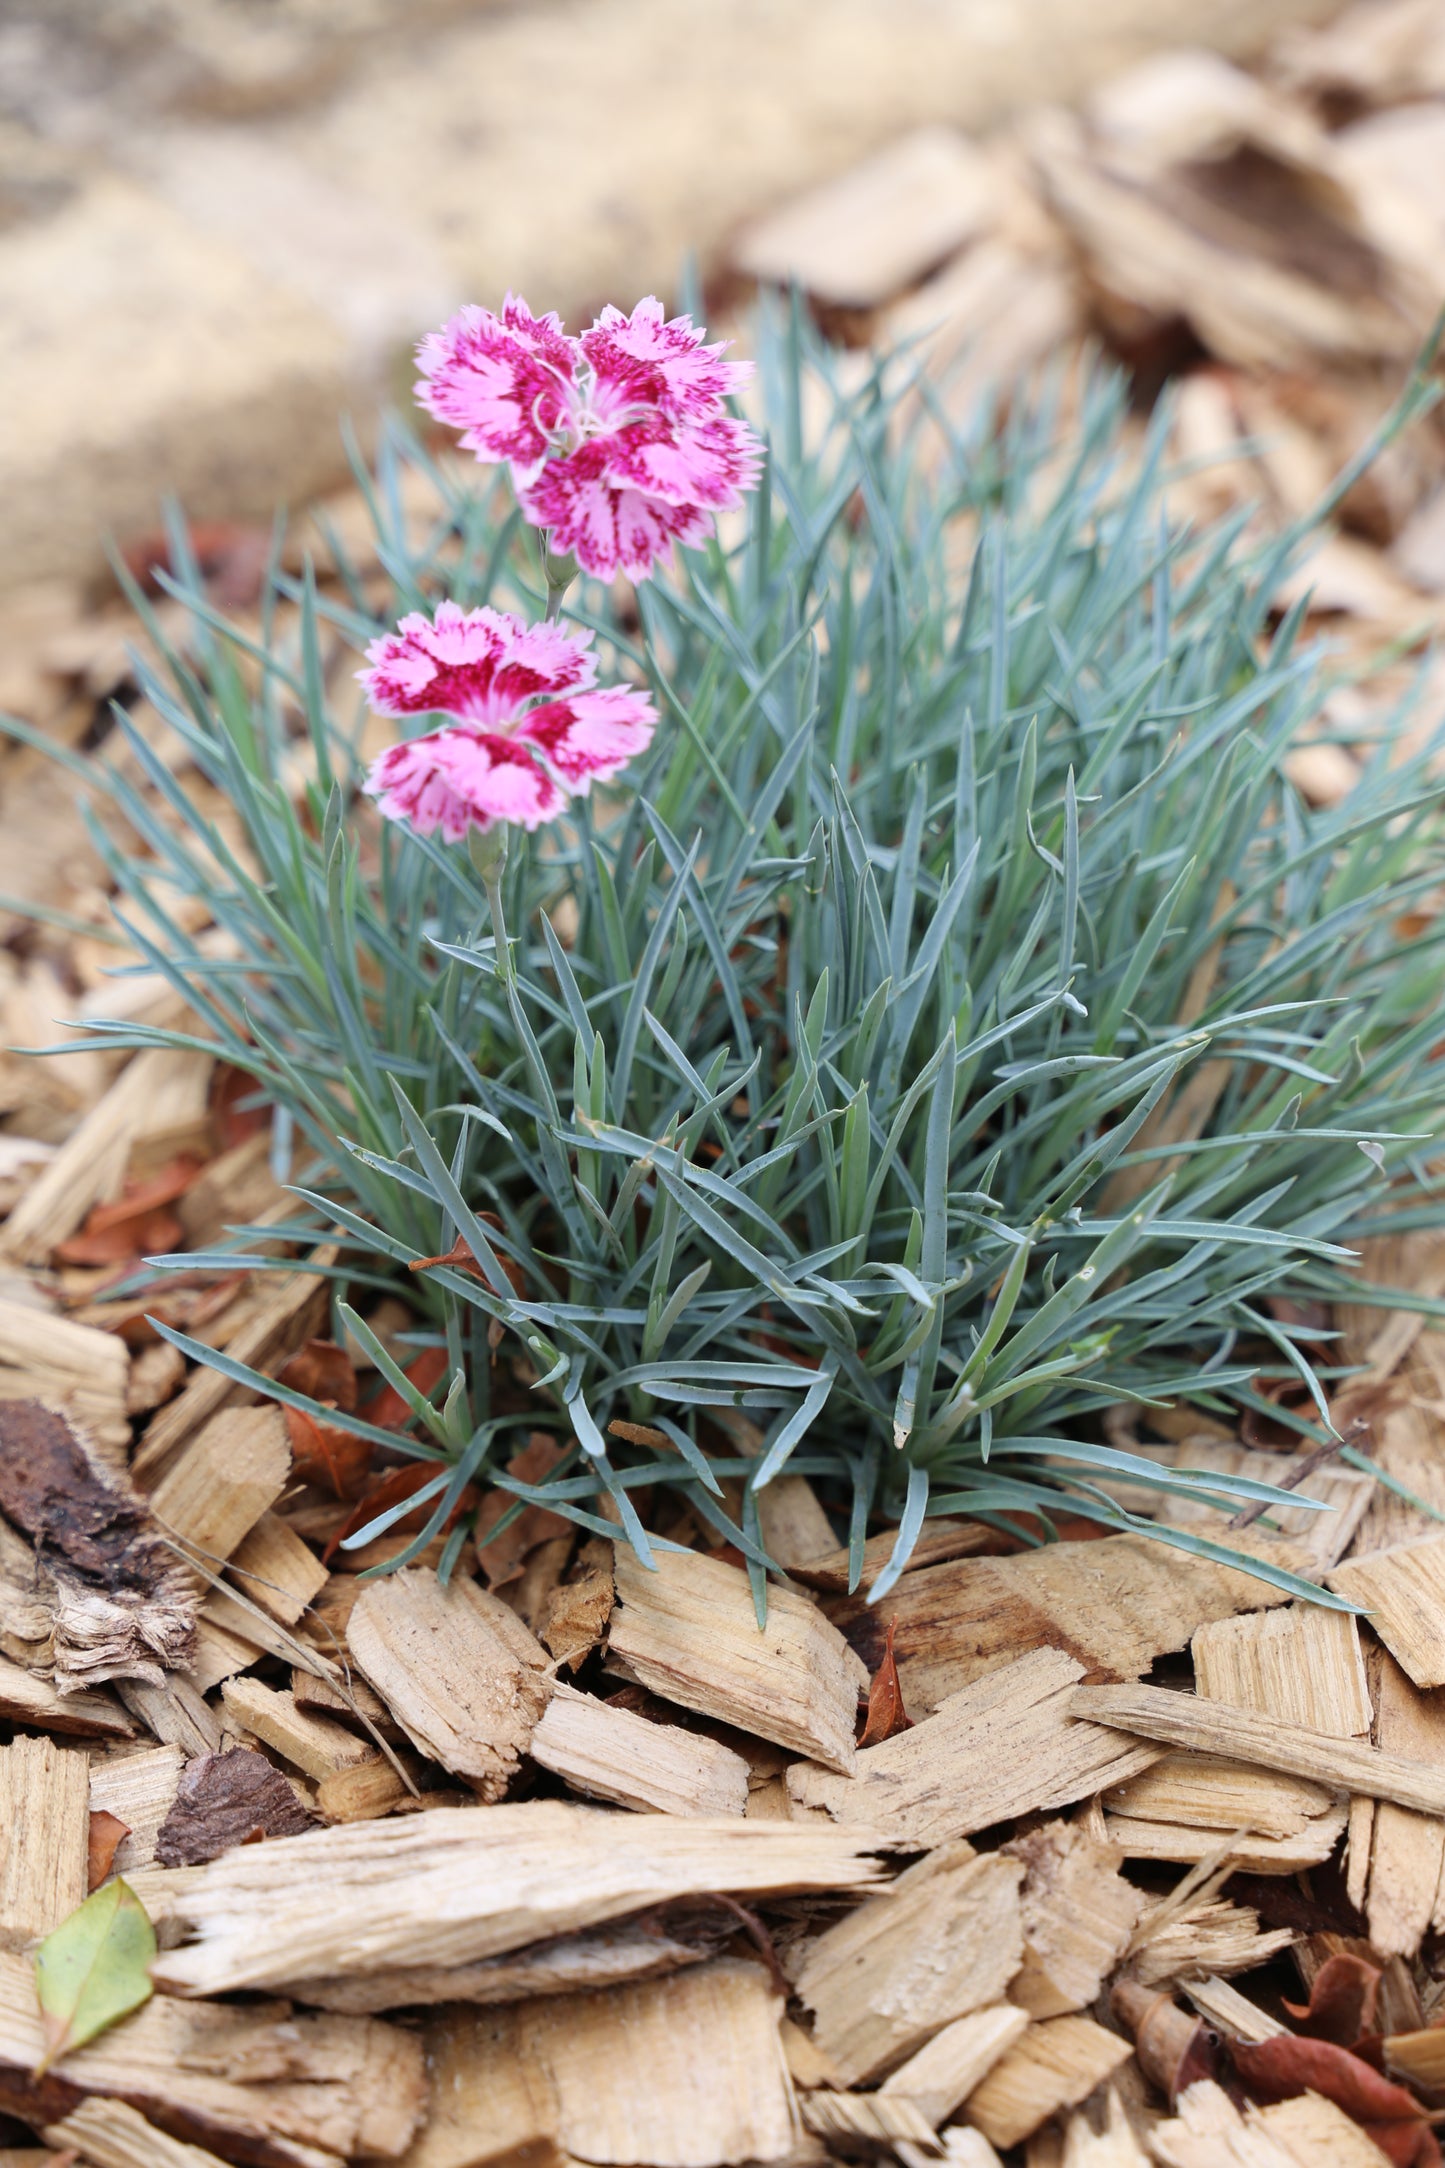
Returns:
point(958, 1024)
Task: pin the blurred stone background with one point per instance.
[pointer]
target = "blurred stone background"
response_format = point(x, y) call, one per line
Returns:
point(223, 222)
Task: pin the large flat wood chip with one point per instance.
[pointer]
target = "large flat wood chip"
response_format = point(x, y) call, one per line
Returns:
point(655, 1768)
point(689, 1631)
point(26, 1698)
point(859, 240)
point(356, 1899)
point(1008, 1744)
point(944, 1941)
point(212, 2076)
point(44, 1825)
point(1113, 1605)
point(457, 1669)
point(68, 1365)
point(1302, 1663)
point(1403, 1589)
point(217, 1488)
point(681, 2073)
point(1206, 1793)
point(1212, 1727)
point(1055, 2065)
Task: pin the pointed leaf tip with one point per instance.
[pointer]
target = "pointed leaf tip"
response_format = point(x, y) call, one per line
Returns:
point(93, 1970)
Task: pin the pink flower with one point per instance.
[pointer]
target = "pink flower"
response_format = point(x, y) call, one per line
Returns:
point(510, 755)
point(618, 441)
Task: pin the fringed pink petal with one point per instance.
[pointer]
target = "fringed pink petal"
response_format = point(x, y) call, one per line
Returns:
point(454, 780)
point(590, 737)
point(608, 530)
point(479, 665)
point(649, 360)
point(504, 381)
point(707, 463)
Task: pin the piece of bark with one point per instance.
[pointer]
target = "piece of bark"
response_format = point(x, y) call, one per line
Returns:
point(1113, 1605)
point(224, 1800)
point(457, 1669)
point(315, 1745)
point(123, 1606)
point(876, 1997)
point(685, 2072)
point(1407, 1851)
point(1206, 1793)
point(175, 1713)
point(1078, 1914)
point(939, 1540)
point(275, 1569)
point(358, 1898)
point(25, 1698)
point(285, 1318)
point(258, 2084)
point(659, 1942)
point(611, 1754)
point(108, 2134)
point(1212, 1727)
point(688, 1630)
point(44, 1837)
point(1186, 1845)
point(1303, 1664)
point(1208, 1940)
point(1403, 1589)
point(69, 1366)
point(1055, 2065)
point(575, 1616)
point(217, 1488)
point(947, 2068)
point(140, 1790)
point(1008, 1744)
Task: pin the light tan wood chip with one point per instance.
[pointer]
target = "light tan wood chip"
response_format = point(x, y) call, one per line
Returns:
point(1406, 1850)
point(457, 1669)
point(1212, 1727)
point(613, 1754)
point(216, 1489)
point(686, 2072)
point(945, 2070)
point(140, 1790)
point(44, 1831)
point(1403, 1590)
point(1056, 2064)
point(689, 1631)
point(1008, 1744)
point(1078, 1913)
point(108, 2134)
point(1303, 1664)
point(944, 1941)
point(355, 1899)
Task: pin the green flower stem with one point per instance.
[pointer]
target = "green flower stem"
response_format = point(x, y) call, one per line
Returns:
point(487, 849)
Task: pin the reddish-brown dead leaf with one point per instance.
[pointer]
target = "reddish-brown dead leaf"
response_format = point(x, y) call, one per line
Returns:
point(1342, 2000)
point(324, 1372)
point(332, 1459)
point(500, 1557)
point(138, 1223)
point(232, 1119)
point(395, 1485)
point(886, 1713)
point(1279, 2069)
point(389, 1411)
point(231, 556)
point(107, 1833)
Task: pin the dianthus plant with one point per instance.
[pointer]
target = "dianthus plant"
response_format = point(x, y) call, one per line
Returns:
point(890, 1004)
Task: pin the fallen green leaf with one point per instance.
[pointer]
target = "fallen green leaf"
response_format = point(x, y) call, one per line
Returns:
point(94, 1969)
